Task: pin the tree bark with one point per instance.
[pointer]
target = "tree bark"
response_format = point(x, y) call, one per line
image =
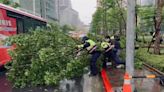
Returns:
point(121, 13)
point(136, 15)
point(158, 21)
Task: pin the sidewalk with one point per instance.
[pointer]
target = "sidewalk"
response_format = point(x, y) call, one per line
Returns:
point(142, 85)
point(147, 85)
point(116, 77)
point(92, 84)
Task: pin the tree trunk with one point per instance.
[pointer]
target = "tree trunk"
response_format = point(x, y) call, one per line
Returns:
point(136, 15)
point(104, 32)
point(121, 13)
point(158, 21)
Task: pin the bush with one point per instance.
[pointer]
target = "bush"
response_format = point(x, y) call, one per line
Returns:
point(123, 41)
point(154, 60)
point(44, 57)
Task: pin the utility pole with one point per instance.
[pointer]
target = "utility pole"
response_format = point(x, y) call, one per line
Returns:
point(130, 35)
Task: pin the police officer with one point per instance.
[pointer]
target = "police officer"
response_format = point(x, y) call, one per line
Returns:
point(108, 47)
point(117, 44)
point(91, 47)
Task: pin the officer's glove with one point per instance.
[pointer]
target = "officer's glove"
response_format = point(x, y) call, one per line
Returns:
point(79, 46)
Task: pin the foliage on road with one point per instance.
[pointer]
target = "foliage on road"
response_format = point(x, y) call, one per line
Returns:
point(44, 57)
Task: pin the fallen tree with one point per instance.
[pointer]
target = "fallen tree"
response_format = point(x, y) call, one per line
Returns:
point(44, 57)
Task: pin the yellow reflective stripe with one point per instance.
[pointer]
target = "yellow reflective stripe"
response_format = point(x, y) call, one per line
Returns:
point(112, 37)
point(127, 81)
point(105, 45)
point(92, 44)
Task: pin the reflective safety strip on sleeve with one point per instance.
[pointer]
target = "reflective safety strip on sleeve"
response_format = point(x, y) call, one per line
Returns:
point(127, 81)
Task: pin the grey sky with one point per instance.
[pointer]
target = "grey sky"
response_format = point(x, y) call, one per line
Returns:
point(86, 8)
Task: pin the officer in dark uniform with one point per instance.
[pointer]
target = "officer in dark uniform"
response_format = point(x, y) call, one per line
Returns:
point(108, 47)
point(91, 47)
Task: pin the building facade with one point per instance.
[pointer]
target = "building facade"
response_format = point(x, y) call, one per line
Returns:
point(47, 9)
point(53, 10)
point(68, 16)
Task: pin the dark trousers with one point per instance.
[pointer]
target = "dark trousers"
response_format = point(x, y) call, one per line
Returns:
point(94, 57)
point(111, 55)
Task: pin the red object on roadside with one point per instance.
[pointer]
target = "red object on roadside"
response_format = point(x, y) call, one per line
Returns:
point(12, 22)
point(4, 56)
point(127, 83)
point(106, 82)
point(8, 28)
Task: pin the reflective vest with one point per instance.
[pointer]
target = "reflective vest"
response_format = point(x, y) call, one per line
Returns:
point(92, 45)
point(105, 45)
point(112, 38)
